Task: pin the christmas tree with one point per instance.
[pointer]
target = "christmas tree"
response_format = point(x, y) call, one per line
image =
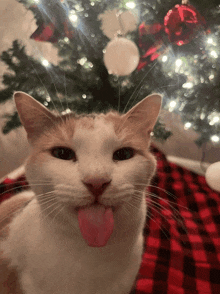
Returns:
point(178, 45)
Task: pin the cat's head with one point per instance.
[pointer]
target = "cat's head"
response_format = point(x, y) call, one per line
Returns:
point(79, 160)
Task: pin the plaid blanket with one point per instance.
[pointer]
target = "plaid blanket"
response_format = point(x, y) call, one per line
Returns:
point(182, 233)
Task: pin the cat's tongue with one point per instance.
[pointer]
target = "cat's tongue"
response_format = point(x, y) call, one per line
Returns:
point(96, 224)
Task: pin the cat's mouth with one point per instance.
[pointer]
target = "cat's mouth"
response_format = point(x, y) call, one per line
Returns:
point(95, 205)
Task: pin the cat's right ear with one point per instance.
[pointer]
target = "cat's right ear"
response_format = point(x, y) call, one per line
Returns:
point(33, 115)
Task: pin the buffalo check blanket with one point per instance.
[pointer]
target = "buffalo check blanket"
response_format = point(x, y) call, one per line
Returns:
point(182, 232)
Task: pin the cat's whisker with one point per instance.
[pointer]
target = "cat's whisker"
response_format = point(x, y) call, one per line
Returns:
point(45, 88)
point(165, 191)
point(159, 226)
point(23, 186)
point(26, 183)
point(119, 95)
point(45, 209)
point(166, 201)
point(169, 202)
point(9, 215)
point(144, 77)
point(166, 217)
point(58, 205)
point(46, 200)
point(175, 214)
point(37, 51)
point(59, 211)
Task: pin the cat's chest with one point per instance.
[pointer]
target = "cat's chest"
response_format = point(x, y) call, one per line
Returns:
point(52, 263)
point(58, 270)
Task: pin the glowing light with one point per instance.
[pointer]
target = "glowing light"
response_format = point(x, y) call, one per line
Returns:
point(36, 1)
point(92, 3)
point(66, 111)
point(202, 116)
point(214, 54)
point(187, 125)
point(172, 103)
point(130, 5)
point(48, 99)
point(84, 96)
point(210, 41)
point(73, 17)
point(82, 61)
point(45, 62)
point(215, 138)
point(188, 85)
point(67, 40)
point(211, 77)
point(215, 119)
point(179, 62)
point(164, 58)
point(90, 65)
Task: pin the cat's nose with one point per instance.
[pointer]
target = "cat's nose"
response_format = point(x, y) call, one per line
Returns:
point(97, 185)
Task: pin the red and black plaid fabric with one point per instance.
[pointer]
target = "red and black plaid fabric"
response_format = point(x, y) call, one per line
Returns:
point(182, 233)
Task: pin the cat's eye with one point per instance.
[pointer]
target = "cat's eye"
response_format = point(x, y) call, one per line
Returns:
point(124, 153)
point(63, 153)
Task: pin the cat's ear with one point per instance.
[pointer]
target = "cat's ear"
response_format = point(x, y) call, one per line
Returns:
point(145, 113)
point(33, 115)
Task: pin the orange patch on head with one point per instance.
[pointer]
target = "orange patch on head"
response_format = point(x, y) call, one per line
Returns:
point(86, 122)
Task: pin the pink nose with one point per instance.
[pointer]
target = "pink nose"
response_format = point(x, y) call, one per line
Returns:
point(96, 185)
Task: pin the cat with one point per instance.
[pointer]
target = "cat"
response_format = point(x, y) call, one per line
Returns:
point(80, 228)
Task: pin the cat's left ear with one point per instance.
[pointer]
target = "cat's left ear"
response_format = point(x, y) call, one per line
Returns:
point(145, 113)
point(33, 115)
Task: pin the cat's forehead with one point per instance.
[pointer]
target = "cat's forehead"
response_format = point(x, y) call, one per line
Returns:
point(96, 129)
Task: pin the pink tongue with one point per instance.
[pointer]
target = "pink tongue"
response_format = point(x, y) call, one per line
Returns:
point(96, 225)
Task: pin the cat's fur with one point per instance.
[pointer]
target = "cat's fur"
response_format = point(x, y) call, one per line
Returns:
point(44, 244)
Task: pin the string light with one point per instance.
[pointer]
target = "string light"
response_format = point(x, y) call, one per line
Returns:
point(178, 62)
point(82, 61)
point(45, 62)
point(215, 139)
point(172, 105)
point(66, 111)
point(214, 118)
point(67, 40)
point(187, 125)
point(214, 54)
point(188, 85)
point(210, 41)
point(73, 17)
point(36, 1)
point(131, 5)
point(84, 96)
point(164, 58)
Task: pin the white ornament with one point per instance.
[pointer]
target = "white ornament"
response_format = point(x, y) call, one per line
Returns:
point(115, 22)
point(213, 176)
point(121, 56)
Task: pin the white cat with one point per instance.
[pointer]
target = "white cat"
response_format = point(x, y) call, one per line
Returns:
point(81, 232)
